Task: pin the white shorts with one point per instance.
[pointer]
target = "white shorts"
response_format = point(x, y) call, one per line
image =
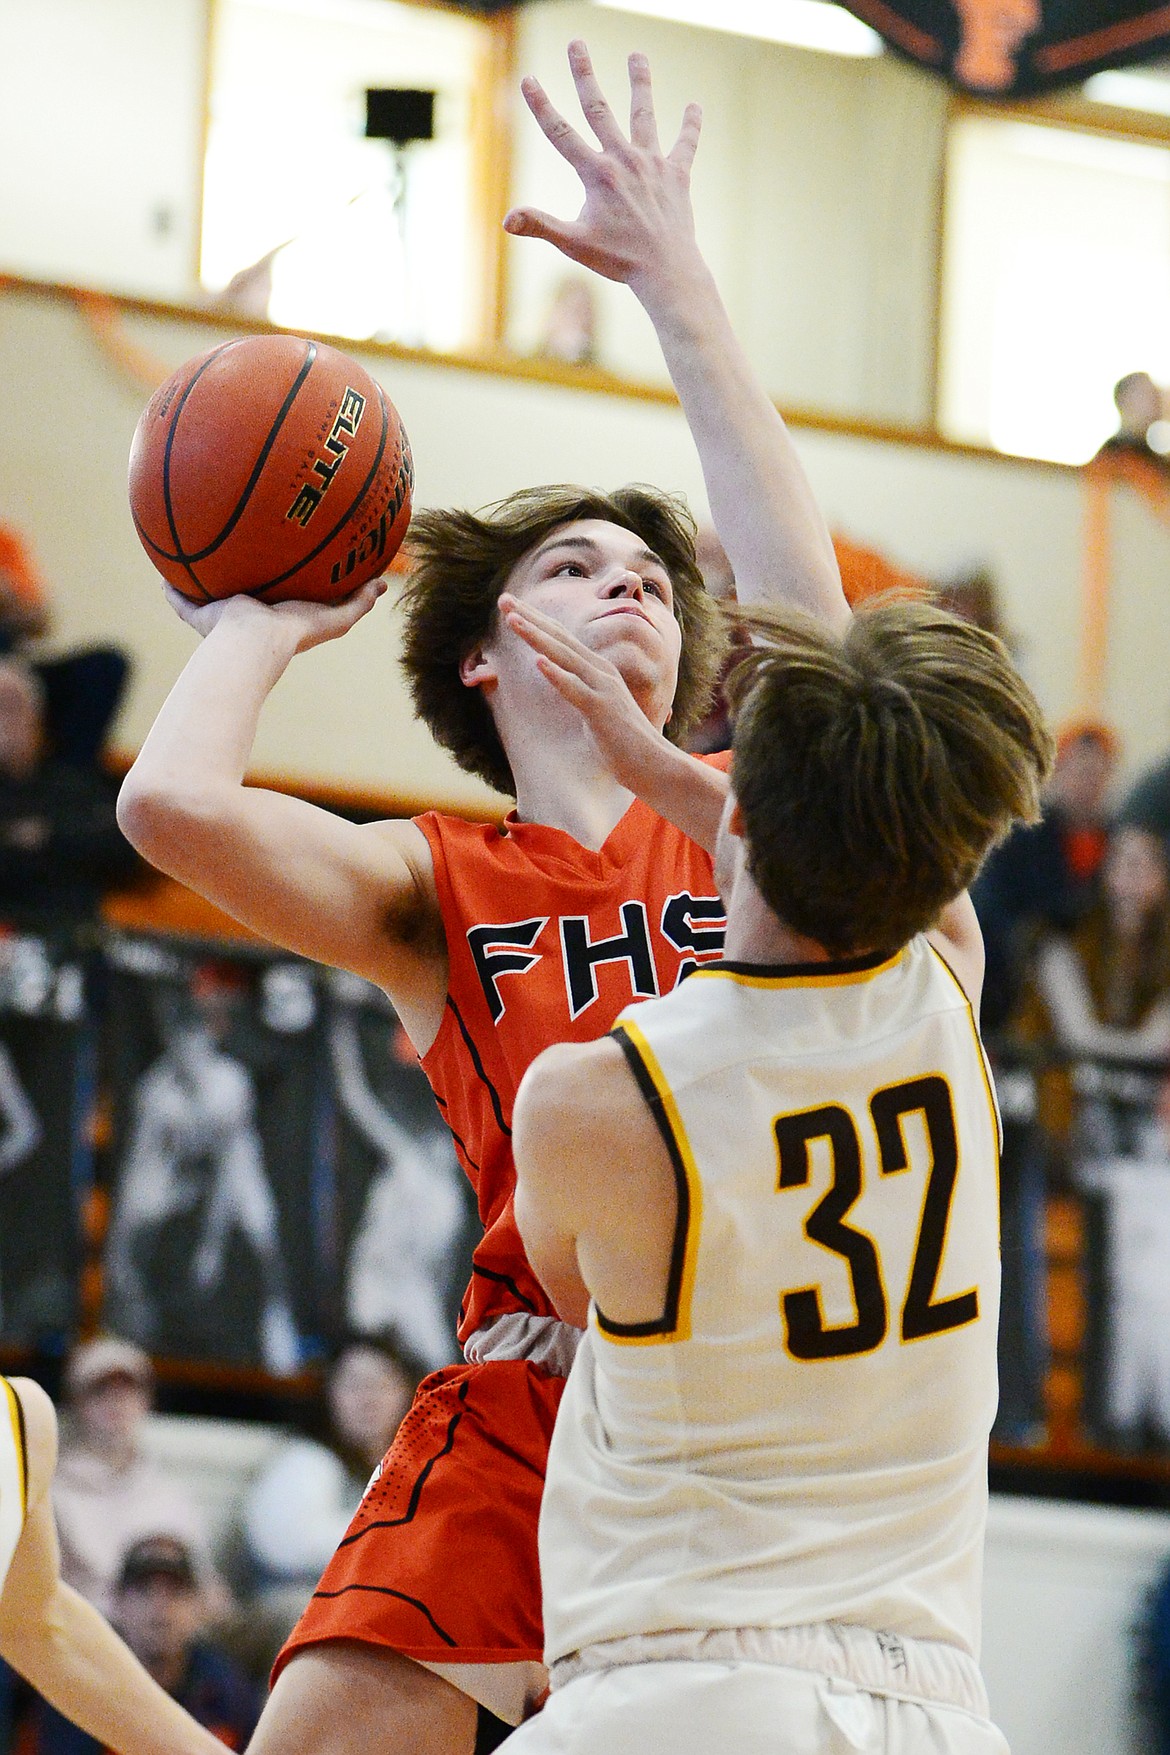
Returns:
point(700, 1706)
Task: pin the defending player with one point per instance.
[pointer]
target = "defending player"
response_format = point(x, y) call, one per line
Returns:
point(764, 1512)
point(492, 944)
point(49, 1634)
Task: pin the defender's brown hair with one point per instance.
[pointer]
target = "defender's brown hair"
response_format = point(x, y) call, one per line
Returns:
point(460, 563)
point(875, 770)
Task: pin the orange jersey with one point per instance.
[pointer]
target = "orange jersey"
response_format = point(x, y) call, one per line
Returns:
point(548, 942)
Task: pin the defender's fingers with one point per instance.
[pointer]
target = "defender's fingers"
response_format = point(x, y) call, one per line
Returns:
point(577, 693)
point(594, 105)
point(643, 122)
point(559, 133)
point(682, 153)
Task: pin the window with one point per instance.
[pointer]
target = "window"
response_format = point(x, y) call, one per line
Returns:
point(312, 224)
point(1056, 282)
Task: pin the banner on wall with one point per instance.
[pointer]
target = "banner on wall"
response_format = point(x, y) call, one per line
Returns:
point(1009, 48)
point(216, 1074)
point(405, 1219)
point(46, 1101)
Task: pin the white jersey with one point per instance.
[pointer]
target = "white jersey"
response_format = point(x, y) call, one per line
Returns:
point(13, 1475)
point(803, 1437)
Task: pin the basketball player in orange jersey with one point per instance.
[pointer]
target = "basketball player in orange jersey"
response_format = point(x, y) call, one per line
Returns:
point(425, 1633)
point(49, 1634)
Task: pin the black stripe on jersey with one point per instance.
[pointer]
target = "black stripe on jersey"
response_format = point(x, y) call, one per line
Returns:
point(23, 1437)
point(781, 971)
point(477, 1063)
point(384, 1590)
point(505, 1280)
point(390, 1523)
point(442, 1102)
point(668, 1322)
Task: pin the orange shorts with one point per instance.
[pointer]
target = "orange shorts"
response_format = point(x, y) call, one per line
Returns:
point(440, 1560)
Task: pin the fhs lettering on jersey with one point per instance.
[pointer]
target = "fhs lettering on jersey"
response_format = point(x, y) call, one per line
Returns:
point(494, 952)
point(692, 925)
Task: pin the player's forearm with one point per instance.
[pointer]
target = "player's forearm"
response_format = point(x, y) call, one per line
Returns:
point(688, 793)
point(761, 500)
point(199, 747)
point(77, 1662)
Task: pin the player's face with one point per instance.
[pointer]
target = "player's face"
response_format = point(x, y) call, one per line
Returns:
point(604, 585)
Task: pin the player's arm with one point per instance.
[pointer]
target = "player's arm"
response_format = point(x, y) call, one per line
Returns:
point(596, 1200)
point(637, 226)
point(958, 939)
point(357, 896)
point(59, 1642)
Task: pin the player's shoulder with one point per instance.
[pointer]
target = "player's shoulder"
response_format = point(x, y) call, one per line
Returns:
point(573, 1077)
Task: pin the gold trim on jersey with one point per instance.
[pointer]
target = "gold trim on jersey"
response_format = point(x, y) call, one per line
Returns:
point(803, 975)
point(16, 1419)
point(988, 1081)
point(675, 1322)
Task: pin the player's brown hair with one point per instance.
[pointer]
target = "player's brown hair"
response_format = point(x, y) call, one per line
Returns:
point(876, 770)
point(461, 561)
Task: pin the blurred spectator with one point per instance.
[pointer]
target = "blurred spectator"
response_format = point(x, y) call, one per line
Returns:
point(301, 1505)
point(160, 1609)
point(81, 690)
point(107, 1493)
point(60, 845)
point(974, 596)
point(1141, 424)
point(1106, 987)
point(1147, 803)
point(1043, 877)
point(570, 327)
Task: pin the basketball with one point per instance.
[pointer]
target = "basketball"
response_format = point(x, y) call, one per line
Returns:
point(270, 465)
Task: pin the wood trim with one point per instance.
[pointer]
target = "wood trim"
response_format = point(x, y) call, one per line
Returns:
point(210, 26)
point(492, 145)
point(496, 363)
point(1070, 111)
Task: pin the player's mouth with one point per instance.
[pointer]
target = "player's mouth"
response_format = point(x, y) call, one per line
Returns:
point(626, 609)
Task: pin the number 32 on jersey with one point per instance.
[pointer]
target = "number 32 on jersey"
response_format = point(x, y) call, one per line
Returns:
point(922, 1313)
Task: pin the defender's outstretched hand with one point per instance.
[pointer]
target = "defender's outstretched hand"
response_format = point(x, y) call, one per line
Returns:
point(688, 792)
point(637, 214)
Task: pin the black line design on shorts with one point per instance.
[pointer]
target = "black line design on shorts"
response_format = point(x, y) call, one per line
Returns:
point(505, 1280)
point(384, 1590)
point(477, 1063)
point(668, 1321)
point(389, 1523)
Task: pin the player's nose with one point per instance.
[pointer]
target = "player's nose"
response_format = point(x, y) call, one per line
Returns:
point(625, 583)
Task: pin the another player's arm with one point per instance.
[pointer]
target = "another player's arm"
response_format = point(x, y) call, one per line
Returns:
point(637, 226)
point(596, 1200)
point(360, 897)
point(59, 1642)
point(687, 792)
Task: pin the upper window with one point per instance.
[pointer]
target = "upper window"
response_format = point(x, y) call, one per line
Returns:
point(314, 225)
point(1056, 283)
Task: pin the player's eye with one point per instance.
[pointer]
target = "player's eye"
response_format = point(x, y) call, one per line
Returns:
point(573, 570)
point(658, 588)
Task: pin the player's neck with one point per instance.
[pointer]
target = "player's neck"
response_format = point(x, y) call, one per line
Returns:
point(756, 935)
point(564, 784)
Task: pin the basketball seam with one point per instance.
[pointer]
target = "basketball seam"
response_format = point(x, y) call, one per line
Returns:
point(354, 506)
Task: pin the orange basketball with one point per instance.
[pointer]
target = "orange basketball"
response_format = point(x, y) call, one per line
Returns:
point(274, 466)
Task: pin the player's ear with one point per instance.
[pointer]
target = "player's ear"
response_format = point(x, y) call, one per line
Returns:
point(476, 668)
